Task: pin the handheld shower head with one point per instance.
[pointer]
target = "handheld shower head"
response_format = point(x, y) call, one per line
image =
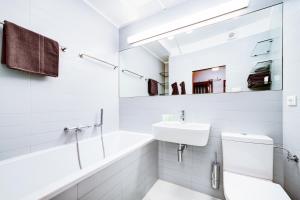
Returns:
point(101, 119)
point(101, 116)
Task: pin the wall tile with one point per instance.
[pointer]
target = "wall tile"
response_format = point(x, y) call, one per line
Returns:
point(34, 109)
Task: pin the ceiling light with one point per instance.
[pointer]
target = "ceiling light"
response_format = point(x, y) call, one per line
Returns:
point(209, 16)
point(189, 31)
point(171, 37)
point(215, 69)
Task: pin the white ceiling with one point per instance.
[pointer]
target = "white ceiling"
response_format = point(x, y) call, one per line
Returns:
point(124, 12)
point(215, 34)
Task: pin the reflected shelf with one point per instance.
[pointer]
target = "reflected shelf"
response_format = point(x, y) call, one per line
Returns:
point(164, 74)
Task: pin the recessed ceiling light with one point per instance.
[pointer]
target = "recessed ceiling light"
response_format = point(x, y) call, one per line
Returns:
point(136, 3)
point(231, 35)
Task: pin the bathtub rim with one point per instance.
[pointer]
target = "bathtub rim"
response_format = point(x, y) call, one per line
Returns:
point(74, 178)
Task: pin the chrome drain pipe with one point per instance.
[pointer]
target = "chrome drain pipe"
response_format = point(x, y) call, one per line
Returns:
point(180, 150)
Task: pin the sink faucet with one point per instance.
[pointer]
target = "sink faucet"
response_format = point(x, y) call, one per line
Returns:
point(182, 116)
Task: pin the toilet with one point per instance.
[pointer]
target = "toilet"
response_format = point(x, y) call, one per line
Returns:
point(248, 168)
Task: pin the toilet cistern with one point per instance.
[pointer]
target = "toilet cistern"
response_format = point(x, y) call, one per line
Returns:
point(250, 177)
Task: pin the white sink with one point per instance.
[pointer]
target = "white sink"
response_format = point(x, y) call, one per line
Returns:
point(195, 134)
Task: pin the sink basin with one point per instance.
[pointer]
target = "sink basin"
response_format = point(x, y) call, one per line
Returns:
point(195, 134)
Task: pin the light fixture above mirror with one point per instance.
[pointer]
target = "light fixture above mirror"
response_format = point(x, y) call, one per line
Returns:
point(189, 23)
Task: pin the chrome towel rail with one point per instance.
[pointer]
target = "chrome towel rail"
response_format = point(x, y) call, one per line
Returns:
point(82, 55)
point(62, 48)
point(131, 72)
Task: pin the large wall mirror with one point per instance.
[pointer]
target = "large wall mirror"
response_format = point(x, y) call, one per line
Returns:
point(237, 55)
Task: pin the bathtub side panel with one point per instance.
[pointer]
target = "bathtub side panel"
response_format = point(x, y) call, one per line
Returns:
point(70, 194)
point(129, 178)
point(22, 176)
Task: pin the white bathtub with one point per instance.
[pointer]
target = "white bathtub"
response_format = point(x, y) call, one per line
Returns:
point(44, 174)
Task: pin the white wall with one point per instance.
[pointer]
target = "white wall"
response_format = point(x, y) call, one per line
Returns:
point(236, 55)
point(142, 62)
point(33, 109)
point(291, 115)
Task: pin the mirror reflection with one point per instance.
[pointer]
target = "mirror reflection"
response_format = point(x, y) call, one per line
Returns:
point(236, 55)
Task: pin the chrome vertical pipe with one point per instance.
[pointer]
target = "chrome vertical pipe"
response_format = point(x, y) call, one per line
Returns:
point(101, 131)
point(77, 147)
point(181, 148)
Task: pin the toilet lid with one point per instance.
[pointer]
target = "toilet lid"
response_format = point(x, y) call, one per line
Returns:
point(239, 187)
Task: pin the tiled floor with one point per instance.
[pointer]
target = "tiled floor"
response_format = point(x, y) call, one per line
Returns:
point(163, 190)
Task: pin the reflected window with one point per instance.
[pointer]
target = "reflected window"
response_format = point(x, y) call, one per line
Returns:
point(209, 80)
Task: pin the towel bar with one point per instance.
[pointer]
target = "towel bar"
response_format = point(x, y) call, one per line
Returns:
point(131, 72)
point(81, 55)
point(62, 48)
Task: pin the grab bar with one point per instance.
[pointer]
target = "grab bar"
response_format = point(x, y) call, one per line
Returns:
point(131, 72)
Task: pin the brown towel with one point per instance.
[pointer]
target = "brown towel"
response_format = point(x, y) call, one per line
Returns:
point(175, 90)
point(257, 80)
point(27, 51)
point(182, 85)
point(152, 87)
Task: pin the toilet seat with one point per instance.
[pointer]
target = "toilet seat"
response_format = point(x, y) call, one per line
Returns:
point(240, 187)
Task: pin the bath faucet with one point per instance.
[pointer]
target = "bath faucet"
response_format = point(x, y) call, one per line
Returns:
point(77, 129)
point(182, 116)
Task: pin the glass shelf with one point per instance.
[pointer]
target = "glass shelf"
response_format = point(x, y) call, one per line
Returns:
point(262, 48)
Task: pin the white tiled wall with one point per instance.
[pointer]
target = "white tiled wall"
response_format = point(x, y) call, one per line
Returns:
point(250, 112)
point(127, 179)
point(291, 115)
point(33, 109)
